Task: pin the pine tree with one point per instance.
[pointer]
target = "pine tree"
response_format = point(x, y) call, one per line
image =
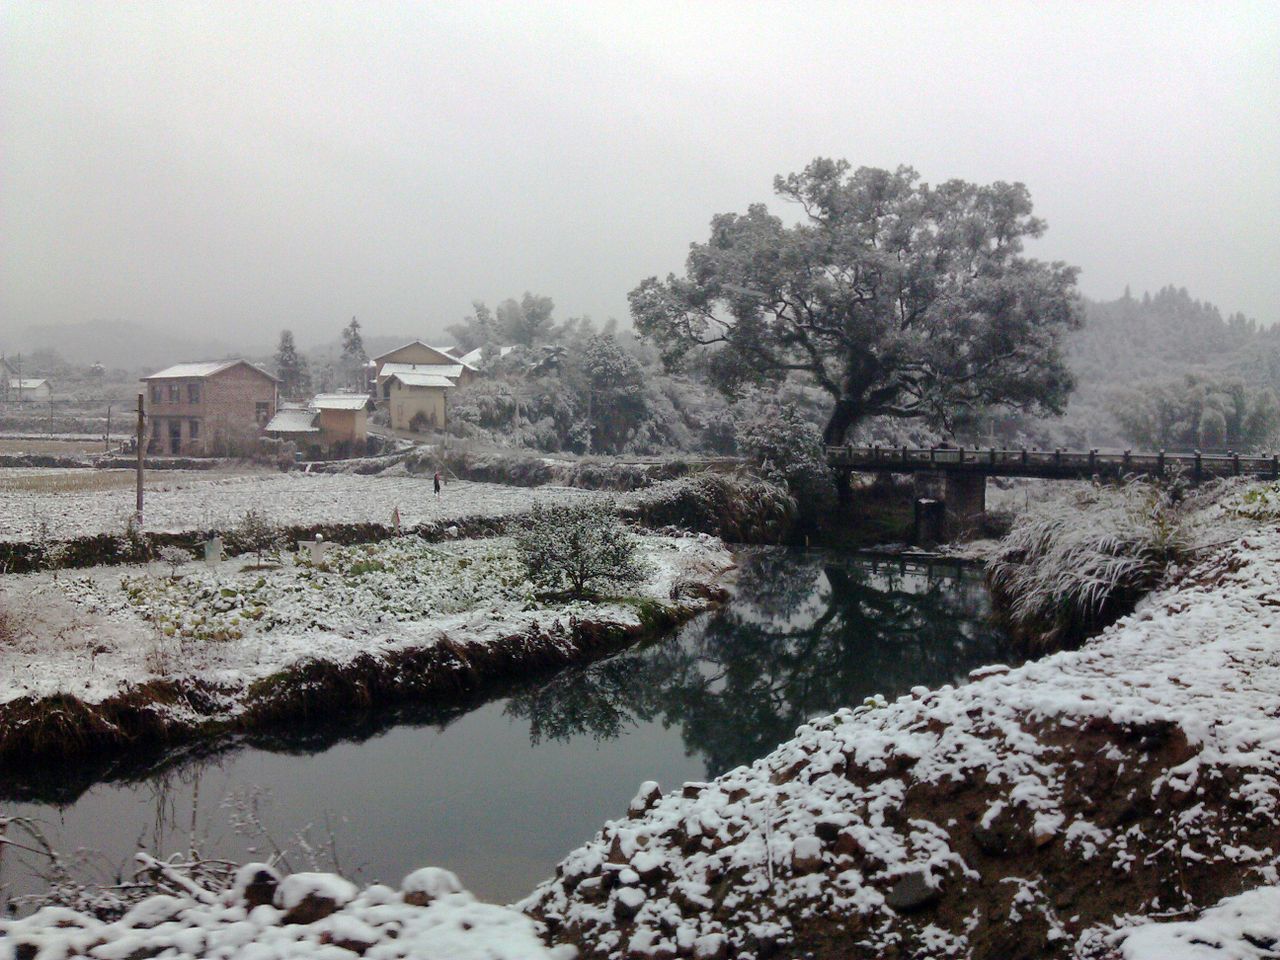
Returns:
point(291, 368)
point(354, 357)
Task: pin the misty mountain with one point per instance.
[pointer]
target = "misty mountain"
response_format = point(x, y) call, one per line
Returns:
point(121, 344)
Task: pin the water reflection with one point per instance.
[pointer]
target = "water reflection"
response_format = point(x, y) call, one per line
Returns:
point(805, 634)
point(463, 786)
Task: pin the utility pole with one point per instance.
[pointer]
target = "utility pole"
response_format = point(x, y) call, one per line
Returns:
point(106, 440)
point(142, 437)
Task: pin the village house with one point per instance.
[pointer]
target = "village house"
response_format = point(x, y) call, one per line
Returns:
point(13, 387)
point(413, 381)
point(209, 409)
point(21, 389)
point(334, 425)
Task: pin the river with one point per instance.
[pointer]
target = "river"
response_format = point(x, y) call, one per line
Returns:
point(500, 791)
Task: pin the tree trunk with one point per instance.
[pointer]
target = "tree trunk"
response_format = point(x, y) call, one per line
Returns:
point(843, 417)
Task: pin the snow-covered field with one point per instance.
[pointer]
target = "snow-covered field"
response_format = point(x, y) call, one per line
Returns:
point(1141, 765)
point(92, 633)
point(197, 502)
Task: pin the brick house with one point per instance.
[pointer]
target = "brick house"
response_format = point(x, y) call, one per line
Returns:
point(412, 382)
point(209, 409)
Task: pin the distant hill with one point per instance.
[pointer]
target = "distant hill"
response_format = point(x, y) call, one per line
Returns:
point(119, 344)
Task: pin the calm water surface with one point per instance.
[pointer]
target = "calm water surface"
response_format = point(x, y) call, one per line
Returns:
point(499, 794)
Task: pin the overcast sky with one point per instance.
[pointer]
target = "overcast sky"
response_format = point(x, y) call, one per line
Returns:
point(235, 168)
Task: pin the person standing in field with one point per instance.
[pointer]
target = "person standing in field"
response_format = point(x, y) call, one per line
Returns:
point(437, 483)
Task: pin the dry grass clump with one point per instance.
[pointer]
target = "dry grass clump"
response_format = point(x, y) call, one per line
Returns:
point(67, 481)
point(10, 630)
point(1073, 565)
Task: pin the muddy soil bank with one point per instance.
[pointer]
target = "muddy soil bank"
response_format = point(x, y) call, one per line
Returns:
point(40, 737)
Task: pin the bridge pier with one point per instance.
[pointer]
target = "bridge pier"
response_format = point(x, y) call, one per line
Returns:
point(963, 494)
point(966, 498)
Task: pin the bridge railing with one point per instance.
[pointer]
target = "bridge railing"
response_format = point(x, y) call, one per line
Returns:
point(1198, 466)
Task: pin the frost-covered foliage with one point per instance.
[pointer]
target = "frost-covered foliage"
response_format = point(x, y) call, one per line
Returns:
point(174, 557)
point(736, 508)
point(1076, 563)
point(256, 533)
point(578, 551)
point(787, 449)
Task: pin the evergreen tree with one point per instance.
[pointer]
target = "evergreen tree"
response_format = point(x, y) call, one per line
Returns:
point(291, 368)
point(354, 357)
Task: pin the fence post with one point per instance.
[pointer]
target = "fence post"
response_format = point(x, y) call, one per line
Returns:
point(1160, 464)
point(993, 456)
point(1125, 462)
point(1199, 469)
point(1093, 459)
point(1275, 467)
point(1057, 456)
point(904, 453)
point(1235, 463)
point(1024, 456)
point(933, 454)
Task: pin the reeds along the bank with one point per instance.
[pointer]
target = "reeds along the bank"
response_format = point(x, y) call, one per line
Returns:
point(1073, 565)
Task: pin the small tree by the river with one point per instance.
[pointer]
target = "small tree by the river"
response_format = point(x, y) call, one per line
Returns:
point(578, 551)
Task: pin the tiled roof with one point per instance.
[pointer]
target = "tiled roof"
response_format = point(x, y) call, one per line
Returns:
point(452, 370)
point(339, 401)
point(293, 420)
point(423, 380)
point(205, 369)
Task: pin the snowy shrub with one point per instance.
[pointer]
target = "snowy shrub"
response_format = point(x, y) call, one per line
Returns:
point(578, 551)
point(175, 557)
point(255, 532)
point(132, 543)
point(1072, 565)
point(735, 508)
point(9, 628)
point(787, 449)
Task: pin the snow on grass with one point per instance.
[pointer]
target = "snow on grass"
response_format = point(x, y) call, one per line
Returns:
point(836, 826)
point(197, 502)
point(93, 633)
point(309, 917)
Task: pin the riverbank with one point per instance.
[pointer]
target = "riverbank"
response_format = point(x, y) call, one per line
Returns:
point(125, 657)
point(1029, 812)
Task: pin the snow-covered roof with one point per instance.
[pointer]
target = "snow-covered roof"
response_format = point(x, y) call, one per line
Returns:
point(411, 343)
point(453, 370)
point(293, 420)
point(339, 401)
point(203, 369)
point(473, 358)
point(423, 380)
point(16, 384)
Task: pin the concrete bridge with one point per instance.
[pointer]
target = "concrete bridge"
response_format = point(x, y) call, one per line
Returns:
point(958, 477)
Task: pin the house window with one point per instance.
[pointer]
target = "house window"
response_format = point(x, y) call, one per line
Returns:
point(193, 393)
point(157, 393)
point(175, 393)
point(261, 412)
point(193, 429)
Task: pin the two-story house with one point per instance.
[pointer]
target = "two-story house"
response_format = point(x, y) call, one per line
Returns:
point(413, 380)
point(209, 409)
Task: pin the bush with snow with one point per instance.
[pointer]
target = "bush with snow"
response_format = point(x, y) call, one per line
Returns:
point(787, 449)
point(578, 551)
point(1074, 564)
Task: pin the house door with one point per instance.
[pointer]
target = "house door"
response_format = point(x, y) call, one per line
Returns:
point(175, 436)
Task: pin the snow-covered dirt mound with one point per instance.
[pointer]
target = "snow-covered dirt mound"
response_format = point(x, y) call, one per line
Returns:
point(1026, 813)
